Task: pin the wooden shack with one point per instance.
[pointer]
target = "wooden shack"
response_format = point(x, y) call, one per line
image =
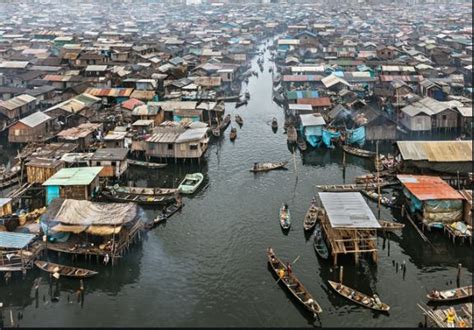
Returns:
point(82, 135)
point(77, 183)
point(431, 200)
point(178, 142)
point(113, 161)
point(39, 170)
point(349, 225)
point(90, 228)
point(5, 206)
point(33, 128)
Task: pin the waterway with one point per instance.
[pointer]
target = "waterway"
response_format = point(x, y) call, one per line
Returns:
point(207, 265)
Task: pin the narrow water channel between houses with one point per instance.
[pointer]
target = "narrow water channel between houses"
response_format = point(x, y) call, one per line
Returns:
point(207, 265)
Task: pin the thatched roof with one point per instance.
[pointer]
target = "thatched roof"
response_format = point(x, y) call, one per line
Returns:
point(85, 213)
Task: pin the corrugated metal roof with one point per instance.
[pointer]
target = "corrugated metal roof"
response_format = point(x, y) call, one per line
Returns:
point(436, 151)
point(428, 187)
point(348, 210)
point(312, 120)
point(10, 240)
point(75, 176)
point(35, 119)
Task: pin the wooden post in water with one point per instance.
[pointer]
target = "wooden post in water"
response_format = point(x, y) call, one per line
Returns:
point(377, 161)
point(341, 272)
point(458, 278)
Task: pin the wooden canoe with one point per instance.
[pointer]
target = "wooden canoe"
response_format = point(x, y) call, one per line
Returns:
point(139, 199)
point(354, 187)
point(264, 167)
point(358, 297)
point(274, 123)
point(451, 295)
point(390, 225)
point(368, 178)
point(319, 244)
point(167, 212)
point(134, 162)
point(291, 134)
point(63, 270)
point(311, 217)
point(142, 190)
point(383, 200)
point(239, 120)
point(358, 152)
point(285, 218)
point(292, 284)
point(302, 144)
point(233, 134)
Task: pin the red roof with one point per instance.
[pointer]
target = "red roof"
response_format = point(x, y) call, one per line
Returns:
point(428, 187)
point(316, 102)
point(131, 104)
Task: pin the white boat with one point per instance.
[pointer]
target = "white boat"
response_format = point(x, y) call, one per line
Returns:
point(190, 183)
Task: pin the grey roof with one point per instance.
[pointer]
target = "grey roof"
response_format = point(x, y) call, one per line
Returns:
point(312, 120)
point(110, 154)
point(4, 201)
point(192, 134)
point(348, 210)
point(35, 119)
point(426, 105)
point(10, 240)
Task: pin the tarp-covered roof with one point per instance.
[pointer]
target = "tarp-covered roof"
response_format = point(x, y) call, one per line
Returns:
point(348, 210)
point(428, 187)
point(85, 213)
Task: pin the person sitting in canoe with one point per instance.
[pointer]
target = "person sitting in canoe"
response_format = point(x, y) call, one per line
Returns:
point(255, 166)
point(281, 273)
point(434, 293)
point(377, 302)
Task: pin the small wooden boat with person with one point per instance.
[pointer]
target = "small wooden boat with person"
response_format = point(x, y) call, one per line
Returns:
point(360, 298)
point(62, 270)
point(140, 163)
point(358, 152)
point(285, 217)
point(292, 284)
point(265, 167)
point(239, 120)
point(319, 244)
point(301, 143)
point(167, 212)
point(225, 123)
point(216, 132)
point(274, 123)
point(389, 202)
point(291, 134)
point(190, 183)
point(233, 134)
point(311, 216)
point(450, 295)
point(390, 225)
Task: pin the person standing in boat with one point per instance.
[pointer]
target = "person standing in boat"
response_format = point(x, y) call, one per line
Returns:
point(288, 268)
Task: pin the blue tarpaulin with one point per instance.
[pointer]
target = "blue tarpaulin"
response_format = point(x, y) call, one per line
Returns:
point(328, 136)
point(356, 136)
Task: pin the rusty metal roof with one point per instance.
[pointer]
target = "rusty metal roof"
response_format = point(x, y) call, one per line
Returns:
point(428, 187)
point(436, 151)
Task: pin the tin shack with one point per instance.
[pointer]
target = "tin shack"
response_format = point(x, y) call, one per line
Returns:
point(75, 182)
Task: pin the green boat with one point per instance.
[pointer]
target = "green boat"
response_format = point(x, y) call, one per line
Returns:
point(190, 183)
